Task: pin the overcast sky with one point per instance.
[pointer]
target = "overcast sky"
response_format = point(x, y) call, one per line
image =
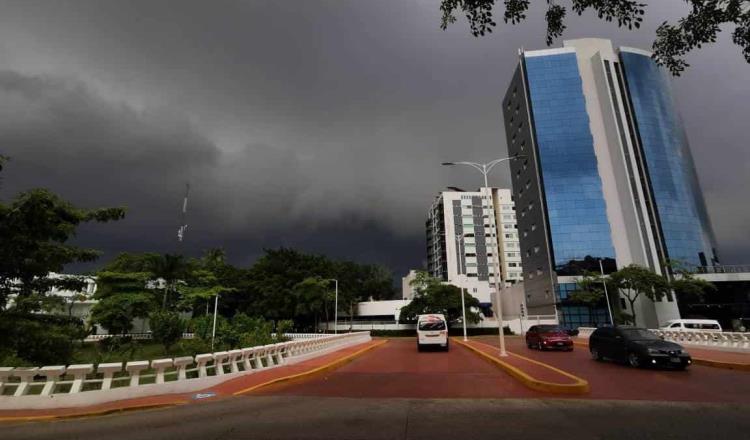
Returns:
point(314, 124)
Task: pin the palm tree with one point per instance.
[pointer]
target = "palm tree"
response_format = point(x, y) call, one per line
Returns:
point(171, 268)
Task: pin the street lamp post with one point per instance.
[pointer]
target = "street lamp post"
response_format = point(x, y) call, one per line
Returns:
point(213, 332)
point(485, 169)
point(459, 241)
point(606, 295)
point(336, 307)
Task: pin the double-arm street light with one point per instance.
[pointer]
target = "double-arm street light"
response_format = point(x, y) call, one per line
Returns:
point(485, 169)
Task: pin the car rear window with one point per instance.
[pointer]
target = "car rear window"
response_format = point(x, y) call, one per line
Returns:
point(549, 328)
point(432, 325)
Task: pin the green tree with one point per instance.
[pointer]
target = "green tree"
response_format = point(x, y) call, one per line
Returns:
point(686, 286)
point(313, 297)
point(673, 41)
point(117, 312)
point(34, 233)
point(431, 296)
point(590, 293)
point(168, 271)
point(633, 281)
point(166, 328)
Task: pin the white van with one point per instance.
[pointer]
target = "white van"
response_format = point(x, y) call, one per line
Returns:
point(692, 325)
point(432, 331)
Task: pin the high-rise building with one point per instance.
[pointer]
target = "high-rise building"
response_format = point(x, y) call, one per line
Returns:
point(607, 173)
point(459, 240)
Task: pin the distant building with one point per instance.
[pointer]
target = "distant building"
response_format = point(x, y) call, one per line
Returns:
point(607, 174)
point(460, 236)
point(407, 290)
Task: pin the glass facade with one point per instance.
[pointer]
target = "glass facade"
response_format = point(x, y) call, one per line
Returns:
point(679, 202)
point(574, 315)
point(578, 225)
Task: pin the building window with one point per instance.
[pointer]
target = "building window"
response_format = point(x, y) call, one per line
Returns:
point(536, 249)
point(533, 226)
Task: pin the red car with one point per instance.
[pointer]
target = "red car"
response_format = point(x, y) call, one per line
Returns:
point(548, 337)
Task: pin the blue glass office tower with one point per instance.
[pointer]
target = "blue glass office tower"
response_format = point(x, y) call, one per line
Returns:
point(606, 174)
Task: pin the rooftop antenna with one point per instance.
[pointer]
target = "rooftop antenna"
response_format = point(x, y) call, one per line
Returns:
point(183, 221)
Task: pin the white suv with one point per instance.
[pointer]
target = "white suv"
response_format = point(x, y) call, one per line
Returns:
point(432, 330)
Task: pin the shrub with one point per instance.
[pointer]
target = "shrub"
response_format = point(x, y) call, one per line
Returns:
point(166, 328)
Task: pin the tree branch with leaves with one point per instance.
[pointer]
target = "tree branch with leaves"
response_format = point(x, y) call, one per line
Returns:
point(673, 41)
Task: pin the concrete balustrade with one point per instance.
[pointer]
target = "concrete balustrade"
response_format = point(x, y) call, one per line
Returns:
point(108, 370)
point(79, 373)
point(181, 363)
point(202, 360)
point(248, 360)
point(135, 368)
point(220, 358)
point(234, 357)
point(26, 375)
point(5, 373)
point(52, 373)
point(160, 365)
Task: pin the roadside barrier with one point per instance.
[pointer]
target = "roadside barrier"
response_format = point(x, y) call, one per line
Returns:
point(59, 386)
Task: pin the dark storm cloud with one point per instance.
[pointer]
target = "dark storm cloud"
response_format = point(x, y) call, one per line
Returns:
point(313, 124)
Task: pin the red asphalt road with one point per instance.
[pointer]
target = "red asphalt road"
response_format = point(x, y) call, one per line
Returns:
point(396, 369)
point(610, 380)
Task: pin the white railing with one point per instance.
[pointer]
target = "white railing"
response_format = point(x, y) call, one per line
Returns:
point(708, 338)
point(134, 336)
point(585, 332)
point(86, 384)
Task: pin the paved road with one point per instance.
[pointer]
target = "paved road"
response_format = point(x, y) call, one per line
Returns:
point(610, 380)
point(397, 369)
point(289, 417)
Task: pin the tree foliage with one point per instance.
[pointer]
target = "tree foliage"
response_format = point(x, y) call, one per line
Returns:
point(633, 281)
point(673, 41)
point(34, 232)
point(166, 328)
point(431, 296)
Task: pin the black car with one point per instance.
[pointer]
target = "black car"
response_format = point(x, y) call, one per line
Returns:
point(638, 347)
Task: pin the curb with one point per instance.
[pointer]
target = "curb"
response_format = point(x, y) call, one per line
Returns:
point(580, 386)
point(721, 364)
point(736, 366)
point(322, 369)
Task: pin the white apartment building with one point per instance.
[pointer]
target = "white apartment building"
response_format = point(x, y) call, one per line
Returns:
point(461, 231)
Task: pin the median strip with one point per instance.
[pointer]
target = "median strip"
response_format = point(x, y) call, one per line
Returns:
point(577, 386)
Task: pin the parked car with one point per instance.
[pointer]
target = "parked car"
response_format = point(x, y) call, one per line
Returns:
point(638, 347)
point(550, 337)
point(692, 325)
point(432, 331)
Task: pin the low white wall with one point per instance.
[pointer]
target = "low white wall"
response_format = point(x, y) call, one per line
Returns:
point(240, 362)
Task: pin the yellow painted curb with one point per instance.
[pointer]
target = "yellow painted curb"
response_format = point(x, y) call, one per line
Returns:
point(580, 386)
point(705, 362)
point(323, 368)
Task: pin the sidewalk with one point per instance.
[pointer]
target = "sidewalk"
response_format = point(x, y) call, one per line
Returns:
point(241, 385)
